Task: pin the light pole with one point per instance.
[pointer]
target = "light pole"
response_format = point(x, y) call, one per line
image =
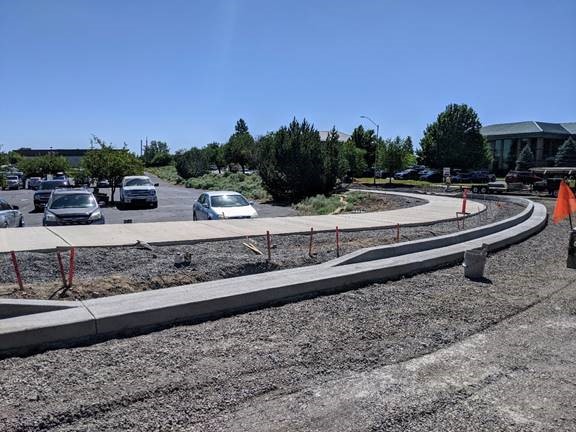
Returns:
point(377, 139)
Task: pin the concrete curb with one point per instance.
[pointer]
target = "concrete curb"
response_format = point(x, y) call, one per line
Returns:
point(105, 318)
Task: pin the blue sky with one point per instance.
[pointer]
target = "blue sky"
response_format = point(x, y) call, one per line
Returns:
point(184, 71)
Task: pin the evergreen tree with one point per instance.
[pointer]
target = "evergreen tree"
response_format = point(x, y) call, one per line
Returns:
point(454, 140)
point(157, 153)
point(331, 158)
point(566, 156)
point(241, 147)
point(365, 140)
point(525, 159)
point(191, 163)
point(292, 162)
point(215, 154)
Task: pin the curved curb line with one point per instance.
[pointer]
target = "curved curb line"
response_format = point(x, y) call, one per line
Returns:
point(128, 314)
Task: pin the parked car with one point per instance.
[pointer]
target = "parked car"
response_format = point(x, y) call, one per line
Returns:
point(72, 207)
point(431, 175)
point(103, 184)
point(222, 205)
point(407, 174)
point(34, 183)
point(525, 177)
point(42, 195)
point(463, 177)
point(13, 182)
point(138, 190)
point(10, 215)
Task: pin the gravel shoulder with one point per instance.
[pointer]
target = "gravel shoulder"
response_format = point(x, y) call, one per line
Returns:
point(108, 271)
point(430, 352)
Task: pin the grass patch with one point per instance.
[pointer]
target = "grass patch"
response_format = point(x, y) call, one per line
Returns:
point(319, 205)
point(248, 185)
point(167, 173)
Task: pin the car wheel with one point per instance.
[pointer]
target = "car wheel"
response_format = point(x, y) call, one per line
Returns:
point(555, 194)
point(483, 190)
point(475, 189)
point(194, 217)
point(154, 205)
point(21, 223)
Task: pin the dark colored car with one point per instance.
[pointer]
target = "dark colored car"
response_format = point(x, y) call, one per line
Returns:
point(408, 174)
point(42, 195)
point(72, 207)
point(431, 175)
point(463, 177)
point(34, 183)
point(524, 177)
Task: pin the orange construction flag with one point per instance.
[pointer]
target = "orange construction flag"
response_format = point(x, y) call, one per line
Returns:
point(565, 203)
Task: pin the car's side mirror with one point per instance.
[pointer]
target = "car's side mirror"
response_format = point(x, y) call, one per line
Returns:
point(205, 205)
point(251, 202)
point(156, 184)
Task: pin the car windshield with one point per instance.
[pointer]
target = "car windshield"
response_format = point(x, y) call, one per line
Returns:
point(73, 201)
point(228, 201)
point(12, 178)
point(49, 185)
point(138, 182)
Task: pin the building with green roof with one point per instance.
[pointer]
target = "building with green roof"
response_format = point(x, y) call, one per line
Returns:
point(508, 139)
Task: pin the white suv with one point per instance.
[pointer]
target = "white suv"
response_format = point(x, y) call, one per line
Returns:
point(138, 190)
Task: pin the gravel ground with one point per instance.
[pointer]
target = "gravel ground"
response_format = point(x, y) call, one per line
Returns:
point(109, 271)
point(430, 352)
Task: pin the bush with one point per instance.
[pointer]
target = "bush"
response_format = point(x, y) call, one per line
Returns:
point(292, 163)
point(248, 185)
point(191, 163)
point(167, 173)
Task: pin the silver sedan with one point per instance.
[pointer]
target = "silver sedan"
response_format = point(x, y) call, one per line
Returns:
point(10, 216)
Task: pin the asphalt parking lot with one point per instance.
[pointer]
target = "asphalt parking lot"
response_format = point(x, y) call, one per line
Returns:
point(174, 204)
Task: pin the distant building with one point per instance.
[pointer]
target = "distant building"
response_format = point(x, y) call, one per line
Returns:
point(342, 137)
point(508, 139)
point(73, 155)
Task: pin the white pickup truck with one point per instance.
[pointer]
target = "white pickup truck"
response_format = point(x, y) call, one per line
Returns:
point(138, 190)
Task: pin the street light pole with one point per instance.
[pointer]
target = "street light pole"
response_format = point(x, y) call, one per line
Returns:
point(377, 139)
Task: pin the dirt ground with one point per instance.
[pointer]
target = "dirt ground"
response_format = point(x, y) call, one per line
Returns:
point(109, 271)
point(432, 352)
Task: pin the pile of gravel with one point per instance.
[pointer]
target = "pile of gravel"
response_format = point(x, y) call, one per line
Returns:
point(205, 377)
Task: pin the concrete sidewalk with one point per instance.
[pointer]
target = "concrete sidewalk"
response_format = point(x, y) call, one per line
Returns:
point(437, 208)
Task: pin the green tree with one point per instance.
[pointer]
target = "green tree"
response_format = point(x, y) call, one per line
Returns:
point(41, 166)
point(331, 157)
point(215, 155)
point(241, 147)
point(566, 156)
point(352, 159)
point(157, 153)
point(365, 140)
point(192, 163)
point(291, 163)
point(394, 154)
point(454, 140)
point(525, 159)
point(108, 163)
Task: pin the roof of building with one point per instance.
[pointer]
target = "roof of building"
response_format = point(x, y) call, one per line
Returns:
point(529, 128)
point(342, 137)
point(62, 152)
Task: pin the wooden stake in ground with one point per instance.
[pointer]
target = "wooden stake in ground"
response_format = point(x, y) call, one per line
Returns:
point(71, 267)
point(16, 269)
point(269, 245)
point(310, 245)
point(397, 233)
point(61, 267)
point(337, 242)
